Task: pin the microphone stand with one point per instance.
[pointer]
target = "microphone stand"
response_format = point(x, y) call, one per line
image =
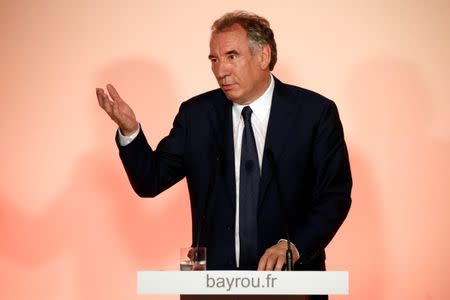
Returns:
point(211, 184)
point(289, 259)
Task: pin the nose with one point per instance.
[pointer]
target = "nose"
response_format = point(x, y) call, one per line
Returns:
point(221, 70)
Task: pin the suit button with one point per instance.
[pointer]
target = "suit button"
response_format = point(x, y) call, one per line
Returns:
point(228, 227)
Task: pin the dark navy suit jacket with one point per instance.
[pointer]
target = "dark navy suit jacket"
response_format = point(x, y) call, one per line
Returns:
point(305, 183)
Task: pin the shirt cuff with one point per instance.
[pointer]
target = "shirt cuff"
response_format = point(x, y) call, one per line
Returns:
point(124, 140)
point(292, 246)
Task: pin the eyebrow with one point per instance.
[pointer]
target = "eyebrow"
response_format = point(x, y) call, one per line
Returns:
point(227, 53)
point(231, 52)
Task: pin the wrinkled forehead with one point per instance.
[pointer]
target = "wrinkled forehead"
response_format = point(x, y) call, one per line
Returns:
point(234, 36)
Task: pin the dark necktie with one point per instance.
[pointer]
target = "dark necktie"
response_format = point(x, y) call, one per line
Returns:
point(248, 194)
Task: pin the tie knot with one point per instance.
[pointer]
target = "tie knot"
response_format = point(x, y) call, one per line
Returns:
point(246, 113)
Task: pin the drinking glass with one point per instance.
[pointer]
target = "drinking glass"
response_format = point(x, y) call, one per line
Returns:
point(193, 259)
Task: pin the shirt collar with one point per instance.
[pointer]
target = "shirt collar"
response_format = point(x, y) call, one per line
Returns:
point(261, 106)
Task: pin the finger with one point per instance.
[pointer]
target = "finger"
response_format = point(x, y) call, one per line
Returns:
point(101, 97)
point(116, 111)
point(271, 261)
point(113, 93)
point(263, 261)
point(98, 92)
point(105, 103)
point(280, 263)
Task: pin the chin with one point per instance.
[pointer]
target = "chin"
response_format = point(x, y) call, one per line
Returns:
point(232, 97)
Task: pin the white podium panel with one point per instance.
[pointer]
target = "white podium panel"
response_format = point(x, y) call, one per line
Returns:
point(242, 282)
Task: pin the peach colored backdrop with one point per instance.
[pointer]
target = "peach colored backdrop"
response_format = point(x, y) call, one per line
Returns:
point(70, 226)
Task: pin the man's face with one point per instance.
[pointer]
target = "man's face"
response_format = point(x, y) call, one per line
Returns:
point(242, 75)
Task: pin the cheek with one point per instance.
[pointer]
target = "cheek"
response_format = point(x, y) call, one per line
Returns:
point(247, 69)
point(245, 77)
point(241, 73)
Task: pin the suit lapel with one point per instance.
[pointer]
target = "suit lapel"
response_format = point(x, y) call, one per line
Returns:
point(222, 131)
point(281, 118)
point(282, 115)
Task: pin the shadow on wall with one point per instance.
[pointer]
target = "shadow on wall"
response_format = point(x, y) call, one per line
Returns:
point(97, 221)
point(398, 219)
point(148, 90)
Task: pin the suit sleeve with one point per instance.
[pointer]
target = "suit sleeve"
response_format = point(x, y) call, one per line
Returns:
point(332, 186)
point(149, 171)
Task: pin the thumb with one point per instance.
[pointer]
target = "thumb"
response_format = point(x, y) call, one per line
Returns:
point(113, 93)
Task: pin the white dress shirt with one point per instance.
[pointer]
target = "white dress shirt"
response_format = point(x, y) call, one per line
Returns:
point(259, 120)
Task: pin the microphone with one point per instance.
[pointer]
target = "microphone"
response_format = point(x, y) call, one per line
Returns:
point(273, 165)
point(217, 157)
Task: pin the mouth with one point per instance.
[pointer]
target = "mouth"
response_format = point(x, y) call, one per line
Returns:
point(227, 87)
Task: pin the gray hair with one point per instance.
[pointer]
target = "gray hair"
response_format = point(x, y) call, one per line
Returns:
point(257, 28)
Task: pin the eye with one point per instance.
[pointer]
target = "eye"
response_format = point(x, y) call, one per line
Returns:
point(213, 59)
point(232, 56)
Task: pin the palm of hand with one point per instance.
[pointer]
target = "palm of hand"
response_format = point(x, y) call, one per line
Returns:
point(117, 109)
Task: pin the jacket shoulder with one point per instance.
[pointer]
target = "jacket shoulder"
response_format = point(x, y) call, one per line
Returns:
point(300, 94)
point(205, 99)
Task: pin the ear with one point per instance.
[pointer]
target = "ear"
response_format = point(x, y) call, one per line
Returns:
point(265, 57)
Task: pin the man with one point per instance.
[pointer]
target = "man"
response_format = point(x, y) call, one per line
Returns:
point(264, 161)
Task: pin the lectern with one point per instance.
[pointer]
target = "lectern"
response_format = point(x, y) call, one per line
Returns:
point(246, 285)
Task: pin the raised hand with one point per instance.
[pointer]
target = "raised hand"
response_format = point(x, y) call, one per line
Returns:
point(118, 110)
